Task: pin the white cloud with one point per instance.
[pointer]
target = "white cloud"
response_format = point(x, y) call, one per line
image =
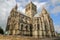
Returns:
point(56, 9)
point(23, 3)
point(5, 7)
point(40, 5)
point(56, 6)
point(57, 28)
point(54, 2)
point(21, 9)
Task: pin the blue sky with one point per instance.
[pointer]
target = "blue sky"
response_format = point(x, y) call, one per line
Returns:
point(52, 6)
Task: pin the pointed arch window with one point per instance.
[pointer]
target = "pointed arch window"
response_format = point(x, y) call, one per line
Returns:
point(21, 27)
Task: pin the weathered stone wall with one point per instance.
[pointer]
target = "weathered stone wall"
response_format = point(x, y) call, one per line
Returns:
point(15, 37)
point(12, 37)
point(18, 37)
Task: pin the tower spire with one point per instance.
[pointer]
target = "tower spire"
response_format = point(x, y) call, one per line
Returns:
point(16, 6)
point(31, 9)
point(30, 0)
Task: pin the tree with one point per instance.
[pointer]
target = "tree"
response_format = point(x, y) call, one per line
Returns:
point(1, 31)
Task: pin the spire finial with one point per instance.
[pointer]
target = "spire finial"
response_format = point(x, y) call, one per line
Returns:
point(16, 6)
point(30, 0)
point(43, 8)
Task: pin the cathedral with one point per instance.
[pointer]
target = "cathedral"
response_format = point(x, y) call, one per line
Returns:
point(28, 24)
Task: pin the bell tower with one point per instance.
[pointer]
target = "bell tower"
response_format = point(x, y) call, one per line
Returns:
point(31, 9)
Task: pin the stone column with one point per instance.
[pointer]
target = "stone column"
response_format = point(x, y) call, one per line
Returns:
point(20, 28)
point(10, 30)
point(43, 27)
point(48, 25)
point(35, 32)
point(13, 32)
point(52, 27)
point(40, 28)
point(35, 28)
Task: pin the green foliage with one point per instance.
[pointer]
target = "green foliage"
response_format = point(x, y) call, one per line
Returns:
point(1, 31)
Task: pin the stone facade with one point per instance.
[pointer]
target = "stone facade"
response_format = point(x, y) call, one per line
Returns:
point(28, 25)
point(15, 37)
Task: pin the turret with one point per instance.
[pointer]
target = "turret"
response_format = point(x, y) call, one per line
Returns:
point(31, 9)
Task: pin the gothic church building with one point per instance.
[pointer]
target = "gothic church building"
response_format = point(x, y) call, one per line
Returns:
point(29, 25)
